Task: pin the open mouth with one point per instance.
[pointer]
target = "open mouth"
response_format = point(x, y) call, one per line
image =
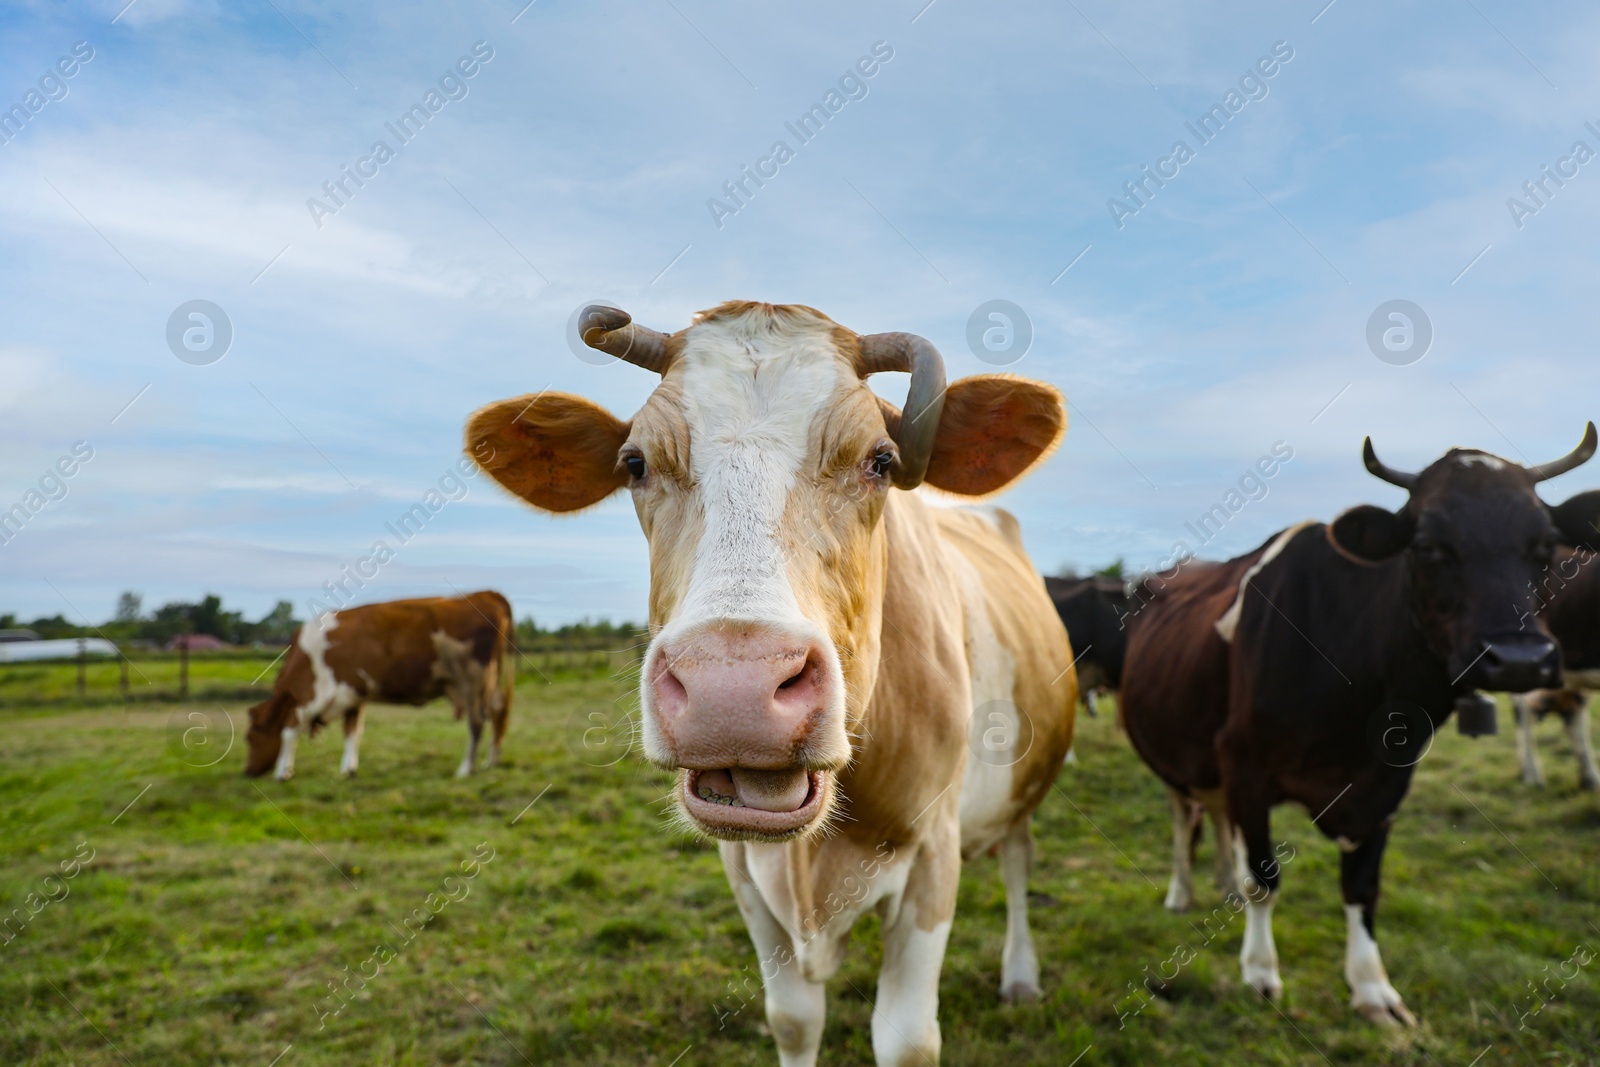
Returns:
point(743, 804)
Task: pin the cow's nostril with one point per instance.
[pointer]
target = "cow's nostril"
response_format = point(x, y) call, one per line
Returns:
point(670, 690)
point(794, 679)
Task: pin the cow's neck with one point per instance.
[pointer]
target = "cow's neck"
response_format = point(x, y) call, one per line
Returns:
point(913, 727)
point(1407, 669)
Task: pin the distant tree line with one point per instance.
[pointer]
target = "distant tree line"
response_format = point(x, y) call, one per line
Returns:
point(585, 634)
point(1115, 569)
point(131, 623)
point(278, 627)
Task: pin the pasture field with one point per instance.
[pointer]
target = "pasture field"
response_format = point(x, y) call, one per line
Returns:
point(216, 912)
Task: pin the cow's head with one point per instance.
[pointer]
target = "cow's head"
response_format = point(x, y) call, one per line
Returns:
point(267, 720)
point(1476, 540)
point(759, 469)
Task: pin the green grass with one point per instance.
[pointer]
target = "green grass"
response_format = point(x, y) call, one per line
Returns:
point(217, 910)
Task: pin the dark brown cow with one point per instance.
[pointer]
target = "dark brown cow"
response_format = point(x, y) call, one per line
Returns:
point(1176, 659)
point(1315, 669)
point(1095, 611)
point(401, 652)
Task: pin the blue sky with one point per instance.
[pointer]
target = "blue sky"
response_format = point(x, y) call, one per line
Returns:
point(1227, 314)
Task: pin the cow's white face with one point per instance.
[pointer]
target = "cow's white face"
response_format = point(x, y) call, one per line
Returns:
point(759, 470)
point(765, 462)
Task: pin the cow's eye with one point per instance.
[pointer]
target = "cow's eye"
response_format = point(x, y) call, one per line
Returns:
point(635, 464)
point(1430, 551)
point(881, 462)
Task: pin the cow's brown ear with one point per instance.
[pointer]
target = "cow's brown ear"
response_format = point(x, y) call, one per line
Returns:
point(1369, 534)
point(1578, 519)
point(993, 429)
point(556, 451)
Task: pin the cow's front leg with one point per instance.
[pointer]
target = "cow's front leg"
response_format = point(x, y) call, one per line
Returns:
point(1531, 775)
point(354, 722)
point(1019, 964)
point(905, 1019)
point(285, 768)
point(1578, 729)
point(1370, 992)
point(796, 1007)
point(1258, 956)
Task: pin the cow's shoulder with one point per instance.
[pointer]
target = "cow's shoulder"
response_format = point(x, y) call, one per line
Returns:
point(1283, 554)
point(984, 533)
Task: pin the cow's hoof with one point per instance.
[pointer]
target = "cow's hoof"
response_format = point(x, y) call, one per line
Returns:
point(1386, 1014)
point(1379, 1003)
point(283, 777)
point(351, 773)
point(1535, 780)
point(1020, 993)
point(1264, 980)
point(464, 770)
point(1178, 901)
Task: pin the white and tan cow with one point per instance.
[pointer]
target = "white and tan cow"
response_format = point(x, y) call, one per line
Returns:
point(1571, 705)
point(1568, 596)
point(856, 688)
point(399, 652)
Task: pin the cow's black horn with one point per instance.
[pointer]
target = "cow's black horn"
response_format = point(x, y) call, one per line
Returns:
point(919, 421)
point(614, 332)
point(1576, 458)
point(1369, 456)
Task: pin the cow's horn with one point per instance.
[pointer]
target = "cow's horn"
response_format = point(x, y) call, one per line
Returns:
point(919, 421)
point(1369, 456)
point(1576, 458)
point(614, 332)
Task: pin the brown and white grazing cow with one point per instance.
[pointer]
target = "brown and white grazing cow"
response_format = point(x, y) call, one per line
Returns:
point(1316, 669)
point(401, 652)
point(857, 689)
point(1570, 591)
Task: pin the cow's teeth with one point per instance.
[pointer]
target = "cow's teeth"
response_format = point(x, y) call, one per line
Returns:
point(711, 796)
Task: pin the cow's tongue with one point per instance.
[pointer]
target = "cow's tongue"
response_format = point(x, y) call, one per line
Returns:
point(771, 790)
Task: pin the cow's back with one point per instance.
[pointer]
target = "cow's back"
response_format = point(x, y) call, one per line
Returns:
point(1025, 691)
point(407, 651)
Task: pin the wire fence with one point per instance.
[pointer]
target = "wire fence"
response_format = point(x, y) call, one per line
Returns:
point(138, 675)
